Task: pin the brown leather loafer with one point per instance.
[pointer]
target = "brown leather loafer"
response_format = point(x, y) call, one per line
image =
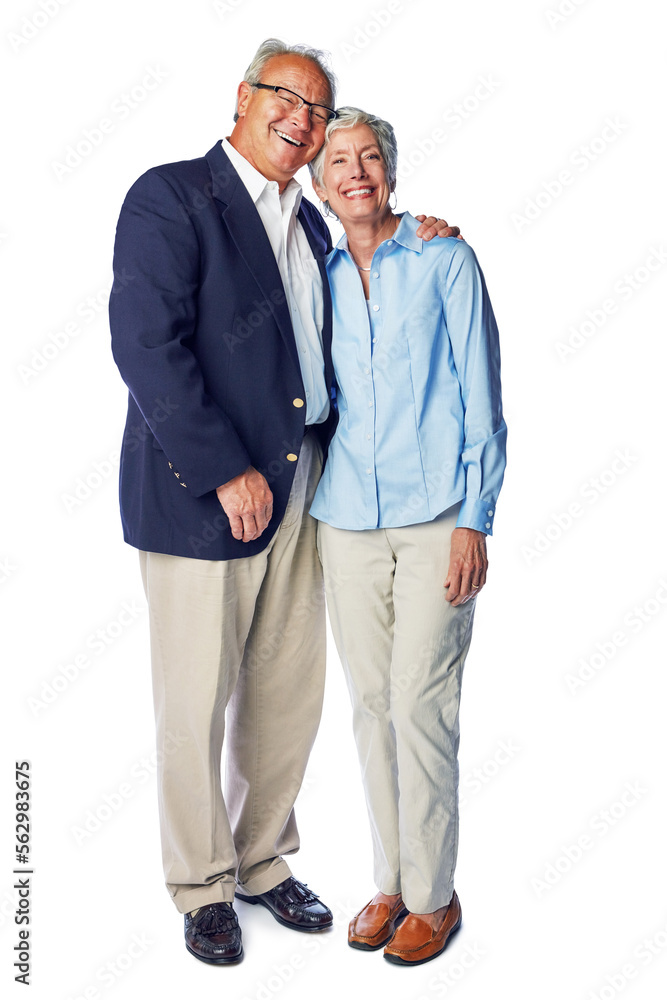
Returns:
point(213, 934)
point(294, 905)
point(415, 941)
point(374, 925)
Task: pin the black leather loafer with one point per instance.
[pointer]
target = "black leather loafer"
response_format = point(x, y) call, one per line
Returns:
point(294, 905)
point(213, 934)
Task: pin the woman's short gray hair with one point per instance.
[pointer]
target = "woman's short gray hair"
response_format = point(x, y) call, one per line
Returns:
point(384, 134)
point(275, 47)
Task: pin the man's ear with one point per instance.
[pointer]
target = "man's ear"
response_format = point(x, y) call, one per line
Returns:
point(242, 96)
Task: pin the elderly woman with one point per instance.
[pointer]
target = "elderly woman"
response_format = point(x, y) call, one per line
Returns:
point(406, 500)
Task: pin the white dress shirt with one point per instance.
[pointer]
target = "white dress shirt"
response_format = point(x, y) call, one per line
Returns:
point(299, 272)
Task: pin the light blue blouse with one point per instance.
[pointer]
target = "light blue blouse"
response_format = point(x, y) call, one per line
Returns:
point(418, 372)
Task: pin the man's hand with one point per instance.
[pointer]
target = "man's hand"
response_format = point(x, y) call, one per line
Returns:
point(467, 565)
point(435, 227)
point(248, 503)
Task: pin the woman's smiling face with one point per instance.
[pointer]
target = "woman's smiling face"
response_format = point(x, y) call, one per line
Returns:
point(354, 175)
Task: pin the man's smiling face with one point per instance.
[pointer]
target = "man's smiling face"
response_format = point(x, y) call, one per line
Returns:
point(269, 133)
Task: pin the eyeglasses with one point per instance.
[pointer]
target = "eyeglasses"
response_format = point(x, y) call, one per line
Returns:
point(319, 113)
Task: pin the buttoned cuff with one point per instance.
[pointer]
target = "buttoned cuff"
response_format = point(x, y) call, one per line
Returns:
point(477, 514)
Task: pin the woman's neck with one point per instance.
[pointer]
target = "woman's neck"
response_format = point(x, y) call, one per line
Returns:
point(365, 236)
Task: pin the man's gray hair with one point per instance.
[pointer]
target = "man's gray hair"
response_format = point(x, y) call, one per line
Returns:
point(275, 47)
point(384, 134)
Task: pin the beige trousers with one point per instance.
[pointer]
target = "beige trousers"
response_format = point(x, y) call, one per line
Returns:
point(238, 645)
point(403, 647)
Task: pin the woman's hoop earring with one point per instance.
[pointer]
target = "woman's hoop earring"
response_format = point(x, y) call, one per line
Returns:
point(395, 200)
point(324, 209)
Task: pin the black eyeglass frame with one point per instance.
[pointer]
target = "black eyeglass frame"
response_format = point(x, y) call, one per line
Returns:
point(309, 104)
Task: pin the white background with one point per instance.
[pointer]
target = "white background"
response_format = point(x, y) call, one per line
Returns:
point(536, 923)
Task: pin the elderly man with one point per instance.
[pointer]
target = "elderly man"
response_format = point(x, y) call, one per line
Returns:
point(221, 328)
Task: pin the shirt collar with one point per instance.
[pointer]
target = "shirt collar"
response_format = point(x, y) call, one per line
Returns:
point(405, 235)
point(292, 196)
point(257, 183)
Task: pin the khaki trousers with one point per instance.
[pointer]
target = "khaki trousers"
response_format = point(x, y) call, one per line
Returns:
point(403, 647)
point(237, 645)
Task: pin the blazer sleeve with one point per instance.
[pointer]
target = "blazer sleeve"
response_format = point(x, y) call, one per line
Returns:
point(153, 315)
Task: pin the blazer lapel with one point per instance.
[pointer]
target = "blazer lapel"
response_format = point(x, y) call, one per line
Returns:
point(252, 243)
point(318, 246)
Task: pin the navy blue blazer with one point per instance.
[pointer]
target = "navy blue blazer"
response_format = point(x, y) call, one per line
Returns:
point(202, 336)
